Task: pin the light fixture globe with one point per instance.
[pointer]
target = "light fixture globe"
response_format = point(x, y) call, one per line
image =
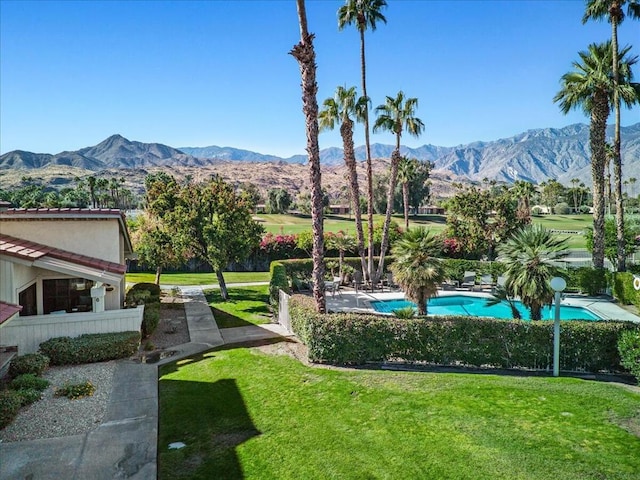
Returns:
point(558, 284)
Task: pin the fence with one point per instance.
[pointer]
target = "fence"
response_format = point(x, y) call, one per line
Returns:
point(29, 332)
point(283, 311)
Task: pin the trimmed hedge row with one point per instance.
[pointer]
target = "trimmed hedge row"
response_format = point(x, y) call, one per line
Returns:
point(278, 281)
point(622, 288)
point(147, 294)
point(90, 348)
point(349, 338)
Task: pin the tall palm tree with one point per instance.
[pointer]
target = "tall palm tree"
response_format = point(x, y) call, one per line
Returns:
point(364, 14)
point(591, 88)
point(523, 191)
point(395, 115)
point(613, 11)
point(344, 106)
point(407, 171)
point(416, 268)
point(531, 255)
point(305, 54)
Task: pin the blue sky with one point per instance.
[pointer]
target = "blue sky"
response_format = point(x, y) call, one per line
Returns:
point(199, 73)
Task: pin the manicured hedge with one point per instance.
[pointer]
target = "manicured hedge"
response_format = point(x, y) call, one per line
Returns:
point(147, 294)
point(89, 348)
point(350, 338)
point(279, 281)
point(629, 347)
point(623, 291)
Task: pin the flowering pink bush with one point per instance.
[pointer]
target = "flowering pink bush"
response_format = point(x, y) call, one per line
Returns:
point(451, 247)
point(278, 246)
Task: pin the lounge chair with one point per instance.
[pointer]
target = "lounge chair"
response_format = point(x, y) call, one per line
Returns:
point(358, 281)
point(469, 280)
point(486, 282)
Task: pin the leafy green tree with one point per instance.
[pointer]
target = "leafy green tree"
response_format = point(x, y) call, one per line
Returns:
point(396, 115)
point(251, 192)
point(305, 55)
point(416, 268)
point(590, 87)
point(278, 200)
point(613, 11)
point(531, 256)
point(631, 231)
point(364, 14)
point(342, 108)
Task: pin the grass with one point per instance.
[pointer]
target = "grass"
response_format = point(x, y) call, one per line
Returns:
point(246, 306)
point(198, 278)
point(246, 414)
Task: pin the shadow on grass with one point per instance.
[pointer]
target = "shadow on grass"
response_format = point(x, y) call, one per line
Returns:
point(212, 420)
point(227, 320)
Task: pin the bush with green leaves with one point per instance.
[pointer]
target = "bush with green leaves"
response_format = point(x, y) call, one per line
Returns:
point(150, 318)
point(277, 282)
point(89, 348)
point(592, 280)
point(74, 391)
point(34, 363)
point(29, 381)
point(562, 208)
point(10, 403)
point(143, 293)
point(629, 348)
point(623, 290)
point(405, 312)
point(351, 338)
point(29, 396)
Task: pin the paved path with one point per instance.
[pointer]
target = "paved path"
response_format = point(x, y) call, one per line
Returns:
point(124, 446)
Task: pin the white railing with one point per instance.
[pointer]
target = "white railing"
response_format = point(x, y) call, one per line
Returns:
point(29, 332)
point(283, 311)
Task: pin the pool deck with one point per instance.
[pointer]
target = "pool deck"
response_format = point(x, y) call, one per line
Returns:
point(350, 300)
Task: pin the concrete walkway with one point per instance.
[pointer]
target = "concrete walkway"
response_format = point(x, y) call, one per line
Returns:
point(124, 446)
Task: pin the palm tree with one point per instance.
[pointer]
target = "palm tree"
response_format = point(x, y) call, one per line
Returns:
point(501, 295)
point(416, 268)
point(613, 11)
point(407, 171)
point(343, 243)
point(523, 191)
point(364, 14)
point(531, 255)
point(305, 54)
point(591, 88)
point(395, 115)
point(340, 109)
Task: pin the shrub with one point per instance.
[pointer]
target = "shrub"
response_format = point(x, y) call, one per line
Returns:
point(28, 396)
point(350, 338)
point(278, 282)
point(89, 348)
point(622, 288)
point(76, 390)
point(150, 318)
point(562, 208)
point(10, 403)
point(143, 293)
point(406, 312)
point(592, 280)
point(28, 381)
point(34, 363)
point(629, 348)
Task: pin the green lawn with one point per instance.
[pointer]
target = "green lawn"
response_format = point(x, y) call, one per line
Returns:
point(246, 414)
point(198, 278)
point(246, 306)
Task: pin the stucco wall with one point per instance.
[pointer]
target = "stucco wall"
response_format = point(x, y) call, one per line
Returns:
point(14, 277)
point(94, 238)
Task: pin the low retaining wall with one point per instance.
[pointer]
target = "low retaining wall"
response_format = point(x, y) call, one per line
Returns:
point(29, 332)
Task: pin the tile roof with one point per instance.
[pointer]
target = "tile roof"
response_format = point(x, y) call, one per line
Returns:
point(8, 310)
point(30, 251)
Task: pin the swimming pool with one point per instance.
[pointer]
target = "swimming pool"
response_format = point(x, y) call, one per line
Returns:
point(477, 307)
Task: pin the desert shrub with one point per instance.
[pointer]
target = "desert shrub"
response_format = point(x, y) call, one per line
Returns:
point(150, 318)
point(351, 338)
point(28, 396)
point(34, 363)
point(89, 348)
point(76, 390)
point(10, 403)
point(28, 381)
point(629, 348)
point(277, 282)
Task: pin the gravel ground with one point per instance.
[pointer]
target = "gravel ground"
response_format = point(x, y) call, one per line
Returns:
point(59, 416)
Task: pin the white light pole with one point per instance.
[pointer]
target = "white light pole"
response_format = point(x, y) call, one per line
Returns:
point(558, 284)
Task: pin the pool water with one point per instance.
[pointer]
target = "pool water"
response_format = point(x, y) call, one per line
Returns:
point(477, 307)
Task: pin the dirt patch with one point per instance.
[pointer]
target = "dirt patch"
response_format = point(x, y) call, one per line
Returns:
point(172, 328)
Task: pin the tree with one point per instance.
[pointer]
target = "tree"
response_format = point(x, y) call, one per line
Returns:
point(416, 268)
point(613, 11)
point(278, 200)
point(523, 191)
point(407, 171)
point(395, 115)
point(590, 87)
point(340, 109)
point(531, 255)
point(343, 243)
point(631, 231)
point(305, 55)
point(364, 14)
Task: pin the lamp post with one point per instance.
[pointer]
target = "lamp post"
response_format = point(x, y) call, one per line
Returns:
point(558, 284)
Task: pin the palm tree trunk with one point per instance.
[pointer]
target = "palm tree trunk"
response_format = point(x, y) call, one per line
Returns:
point(617, 160)
point(597, 133)
point(405, 201)
point(305, 54)
point(346, 130)
point(395, 161)
point(367, 144)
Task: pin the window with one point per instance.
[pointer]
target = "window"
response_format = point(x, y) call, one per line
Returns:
point(27, 298)
point(66, 295)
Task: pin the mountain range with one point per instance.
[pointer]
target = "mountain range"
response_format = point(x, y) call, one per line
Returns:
point(535, 155)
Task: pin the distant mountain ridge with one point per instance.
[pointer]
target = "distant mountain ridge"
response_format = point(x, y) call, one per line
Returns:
point(535, 155)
